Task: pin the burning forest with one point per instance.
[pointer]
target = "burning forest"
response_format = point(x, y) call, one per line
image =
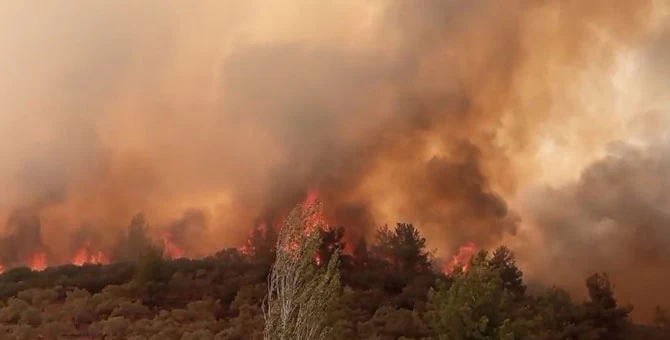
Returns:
point(541, 124)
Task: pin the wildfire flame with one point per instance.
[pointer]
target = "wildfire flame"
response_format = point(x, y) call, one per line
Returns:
point(38, 261)
point(171, 250)
point(85, 255)
point(244, 250)
point(313, 218)
point(465, 253)
point(316, 218)
point(248, 248)
point(312, 196)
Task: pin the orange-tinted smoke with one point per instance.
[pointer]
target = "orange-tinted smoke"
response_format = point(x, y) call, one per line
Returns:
point(215, 116)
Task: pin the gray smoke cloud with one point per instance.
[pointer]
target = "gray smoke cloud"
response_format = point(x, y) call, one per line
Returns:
point(615, 216)
point(616, 219)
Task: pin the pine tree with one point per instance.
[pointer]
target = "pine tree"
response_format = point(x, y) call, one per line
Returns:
point(610, 320)
point(504, 261)
point(403, 247)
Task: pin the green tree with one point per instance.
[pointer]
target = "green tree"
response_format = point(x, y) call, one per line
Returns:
point(561, 319)
point(472, 307)
point(503, 260)
point(403, 247)
point(331, 243)
point(201, 334)
point(133, 243)
point(31, 317)
point(23, 332)
point(150, 265)
point(55, 330)
point(12, 312)
point(130, 310)
point(116, 328)
point(261, 243)
point(602, 310)
point(391, 323)
point(300, 293)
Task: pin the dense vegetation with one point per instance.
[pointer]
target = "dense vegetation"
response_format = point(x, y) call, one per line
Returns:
point(389, 291)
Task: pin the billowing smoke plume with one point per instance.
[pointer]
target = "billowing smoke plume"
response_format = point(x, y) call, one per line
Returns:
point(615, 216)
point(212, 116)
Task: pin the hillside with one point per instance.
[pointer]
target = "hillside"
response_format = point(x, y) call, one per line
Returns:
point(389, 291)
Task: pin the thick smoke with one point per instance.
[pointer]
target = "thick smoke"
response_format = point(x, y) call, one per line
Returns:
point(212, 116)
point(24, 238)
point(615, 218)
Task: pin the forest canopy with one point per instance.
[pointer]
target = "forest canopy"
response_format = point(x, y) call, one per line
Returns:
point(389, 290)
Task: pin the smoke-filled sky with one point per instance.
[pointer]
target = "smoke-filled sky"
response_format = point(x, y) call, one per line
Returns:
point(539, 123)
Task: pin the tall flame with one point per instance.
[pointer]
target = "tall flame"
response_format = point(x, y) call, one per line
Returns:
point(465, 253)
point(86, 255)
point(38, 261)
point(314, 219)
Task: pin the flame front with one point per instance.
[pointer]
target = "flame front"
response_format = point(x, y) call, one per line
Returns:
point(85, 255)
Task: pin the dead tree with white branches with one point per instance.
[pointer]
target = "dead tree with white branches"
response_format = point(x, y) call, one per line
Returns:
point(300, 292)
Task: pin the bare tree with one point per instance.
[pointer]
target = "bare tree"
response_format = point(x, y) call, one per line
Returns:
point(300, 292)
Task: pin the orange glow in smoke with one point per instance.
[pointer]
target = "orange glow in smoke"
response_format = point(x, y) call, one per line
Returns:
point(38, 261)
point(171, 250)
point(312, 196)
point(316, 218)
point(244, 250)
point(85, 255)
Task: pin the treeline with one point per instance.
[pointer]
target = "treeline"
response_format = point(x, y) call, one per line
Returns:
point(389, 290)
